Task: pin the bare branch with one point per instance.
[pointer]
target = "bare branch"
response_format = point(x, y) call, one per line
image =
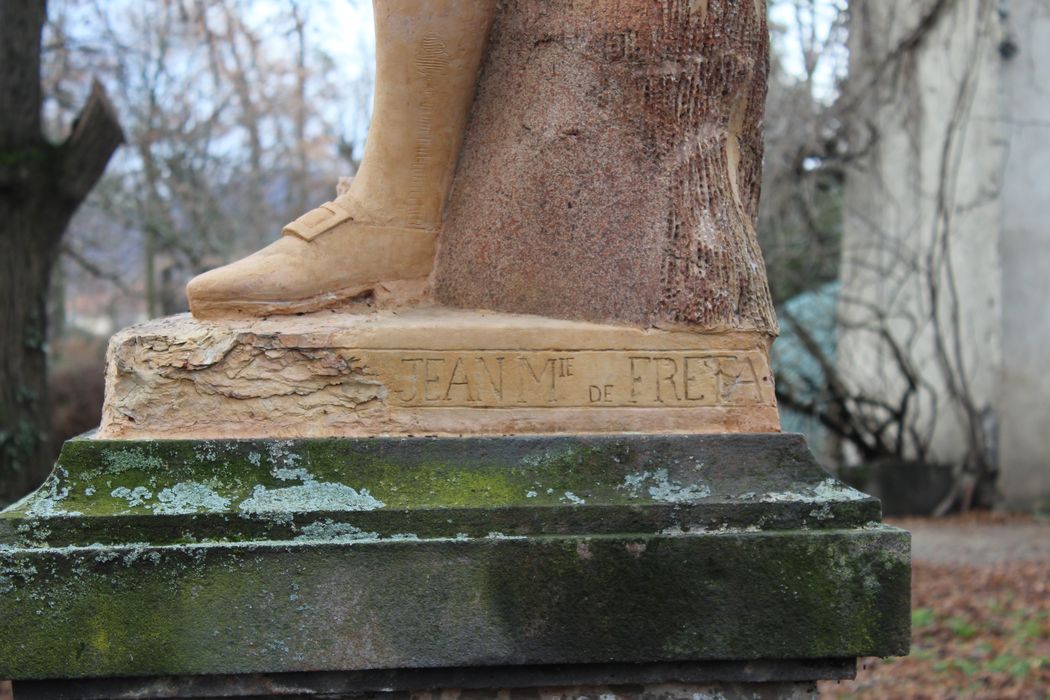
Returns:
point(95, 137)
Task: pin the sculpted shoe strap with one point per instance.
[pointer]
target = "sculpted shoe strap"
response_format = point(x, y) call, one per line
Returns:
point(313, 223)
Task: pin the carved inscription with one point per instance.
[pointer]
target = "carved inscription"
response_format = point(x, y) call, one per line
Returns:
point(584, 379)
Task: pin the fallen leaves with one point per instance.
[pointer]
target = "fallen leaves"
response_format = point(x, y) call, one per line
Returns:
point(977, 632)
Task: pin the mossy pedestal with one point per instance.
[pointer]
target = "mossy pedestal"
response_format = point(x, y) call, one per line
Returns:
point(343, 566)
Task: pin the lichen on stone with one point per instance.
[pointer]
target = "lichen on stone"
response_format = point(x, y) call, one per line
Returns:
point(824, 492)
point(46, 502)
point(660, 487)
point(12, 567)
point(502, 536)
point(135, 497)
point(282, 454)
point(824, 512)
point(313, 495)
point(831, 490)
point(296, 474)
point(120, 461)
point(403, 537)
point(329, 530)
point(189, 497)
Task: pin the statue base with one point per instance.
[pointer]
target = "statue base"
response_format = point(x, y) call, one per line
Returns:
point(783, 680)
point(203, 558)
point(430, 371)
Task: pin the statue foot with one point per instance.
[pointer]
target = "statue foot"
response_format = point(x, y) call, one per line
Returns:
point(324, 259)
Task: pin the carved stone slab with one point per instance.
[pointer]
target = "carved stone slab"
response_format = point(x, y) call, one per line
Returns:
point(430, 372)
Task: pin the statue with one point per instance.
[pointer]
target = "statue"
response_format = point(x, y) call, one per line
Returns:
point(610, 170)
point(383, 231)
point(553, 229)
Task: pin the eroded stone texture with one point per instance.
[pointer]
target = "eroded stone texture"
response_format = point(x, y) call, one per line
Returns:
point(611, 167)
point(430, 372)
point(47, 690)
point(282, 556)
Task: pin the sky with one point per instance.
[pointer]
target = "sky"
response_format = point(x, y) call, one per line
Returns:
point(350, 31)
point(350, 36)
point(789, 47)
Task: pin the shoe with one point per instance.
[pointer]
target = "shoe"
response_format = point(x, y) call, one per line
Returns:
point(324, 259)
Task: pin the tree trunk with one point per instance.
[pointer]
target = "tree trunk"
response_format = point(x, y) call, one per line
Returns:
point(41, 186)
point(611, 168)
point(24, 409)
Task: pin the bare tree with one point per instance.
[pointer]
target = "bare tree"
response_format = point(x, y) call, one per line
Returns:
point(914, 329)
point(237, 118)
point(41, 186)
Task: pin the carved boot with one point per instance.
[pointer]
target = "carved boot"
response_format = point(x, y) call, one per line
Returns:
point(383, 231)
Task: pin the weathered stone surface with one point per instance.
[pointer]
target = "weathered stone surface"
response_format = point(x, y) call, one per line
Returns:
point(611, 166)
point(280, 688)
point(430, 372)
point(218, 557)
point(725, 680)
point(118, 491)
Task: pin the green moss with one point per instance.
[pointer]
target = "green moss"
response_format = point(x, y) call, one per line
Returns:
point(265, 489)
point(120, 461)
point(342, 597)
point(268, 556)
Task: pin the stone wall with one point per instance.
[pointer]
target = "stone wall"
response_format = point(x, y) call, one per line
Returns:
point(943, 237)
point(1025, 248)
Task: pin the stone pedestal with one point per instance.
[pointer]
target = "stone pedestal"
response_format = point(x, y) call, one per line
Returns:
point(560, 683)
point(465, 504)
point(215, 561)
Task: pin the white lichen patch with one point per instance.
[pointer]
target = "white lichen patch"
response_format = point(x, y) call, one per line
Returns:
point(403, 537)
point(47, 501)
point(120, 461)
point(189, 497)
point(501, 536)
point(722, 528)
point(313, 495)
point(831, 490)
point(660, 487)
point(282, 454)
point(12, 568)
point(310, 495)
point(572, 498)
point(822, 513)
point(542, 459)
point(826, 491)
point(296, 474)
point(331, 531)
point(135, 497)
point(206, 451)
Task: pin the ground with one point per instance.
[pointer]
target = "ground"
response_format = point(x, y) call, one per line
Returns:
point(981, 615)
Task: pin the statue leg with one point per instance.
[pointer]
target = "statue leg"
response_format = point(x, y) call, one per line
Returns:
point(384, 228)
